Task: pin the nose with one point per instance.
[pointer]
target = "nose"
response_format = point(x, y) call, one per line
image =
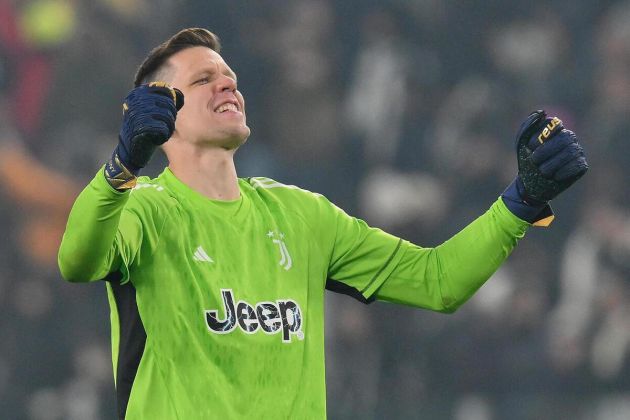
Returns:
point(226, 83)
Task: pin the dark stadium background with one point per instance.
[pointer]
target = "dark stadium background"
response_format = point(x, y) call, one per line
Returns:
point(403, 113)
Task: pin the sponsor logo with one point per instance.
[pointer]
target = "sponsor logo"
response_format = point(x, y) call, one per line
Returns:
point(201, 255)
point(542, 137)
point(283, 316)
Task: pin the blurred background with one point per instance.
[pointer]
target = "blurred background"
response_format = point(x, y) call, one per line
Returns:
point(402, 112)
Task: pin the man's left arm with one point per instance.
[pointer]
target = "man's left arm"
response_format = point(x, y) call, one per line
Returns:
point(443, 278)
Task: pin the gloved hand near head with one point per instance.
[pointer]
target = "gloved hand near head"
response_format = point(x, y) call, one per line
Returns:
point(149, 114)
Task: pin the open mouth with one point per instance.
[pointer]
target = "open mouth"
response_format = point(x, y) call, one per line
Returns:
point(226, 107)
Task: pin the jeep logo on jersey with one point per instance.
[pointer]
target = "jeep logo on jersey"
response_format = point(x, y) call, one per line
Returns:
point(283, 315)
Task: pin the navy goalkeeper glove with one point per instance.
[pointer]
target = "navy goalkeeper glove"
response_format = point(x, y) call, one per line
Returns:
point(149, 114)
point(550, 160)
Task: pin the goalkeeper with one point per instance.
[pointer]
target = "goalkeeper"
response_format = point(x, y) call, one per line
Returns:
point(216, 283)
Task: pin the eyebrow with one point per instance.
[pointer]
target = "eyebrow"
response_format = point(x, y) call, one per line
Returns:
point(210, 70)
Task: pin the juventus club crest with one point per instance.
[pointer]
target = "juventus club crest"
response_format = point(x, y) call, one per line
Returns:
point(285, 258)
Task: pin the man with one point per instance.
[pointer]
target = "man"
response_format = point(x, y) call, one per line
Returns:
point(217, 283)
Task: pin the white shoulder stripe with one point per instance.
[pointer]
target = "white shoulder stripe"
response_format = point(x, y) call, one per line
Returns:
point(141, 185)
point(270, 183)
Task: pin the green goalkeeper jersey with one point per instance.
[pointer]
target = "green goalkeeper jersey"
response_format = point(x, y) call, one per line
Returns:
point(217, 307)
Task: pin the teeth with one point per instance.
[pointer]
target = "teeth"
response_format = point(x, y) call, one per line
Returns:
point(226, 107)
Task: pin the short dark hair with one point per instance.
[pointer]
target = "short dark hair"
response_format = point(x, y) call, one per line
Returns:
point(186, 38)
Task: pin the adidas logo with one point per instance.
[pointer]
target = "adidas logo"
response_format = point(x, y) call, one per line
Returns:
point(200, 255)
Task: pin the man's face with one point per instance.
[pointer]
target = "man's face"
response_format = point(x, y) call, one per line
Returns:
point(214, 110)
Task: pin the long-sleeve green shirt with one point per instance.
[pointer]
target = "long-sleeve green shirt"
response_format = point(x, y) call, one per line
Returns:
point(218, 306)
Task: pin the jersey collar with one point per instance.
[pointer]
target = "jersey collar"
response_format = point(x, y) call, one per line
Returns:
point(235, 210)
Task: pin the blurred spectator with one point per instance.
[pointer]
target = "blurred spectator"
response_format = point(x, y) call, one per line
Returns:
point(41, 178)
point(378, 88)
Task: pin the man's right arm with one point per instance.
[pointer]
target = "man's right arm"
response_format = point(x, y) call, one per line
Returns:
point(97, 232)
point(101, 236)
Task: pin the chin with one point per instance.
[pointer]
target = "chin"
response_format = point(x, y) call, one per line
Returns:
point(234, 144)
point(234, 140)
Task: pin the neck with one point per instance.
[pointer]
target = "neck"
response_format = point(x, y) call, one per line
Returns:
point(209, 171)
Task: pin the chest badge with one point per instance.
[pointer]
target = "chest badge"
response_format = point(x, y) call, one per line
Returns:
point(285, 258)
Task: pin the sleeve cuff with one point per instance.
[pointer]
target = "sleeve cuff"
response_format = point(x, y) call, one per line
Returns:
point(536, 216)
point(531, 211)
